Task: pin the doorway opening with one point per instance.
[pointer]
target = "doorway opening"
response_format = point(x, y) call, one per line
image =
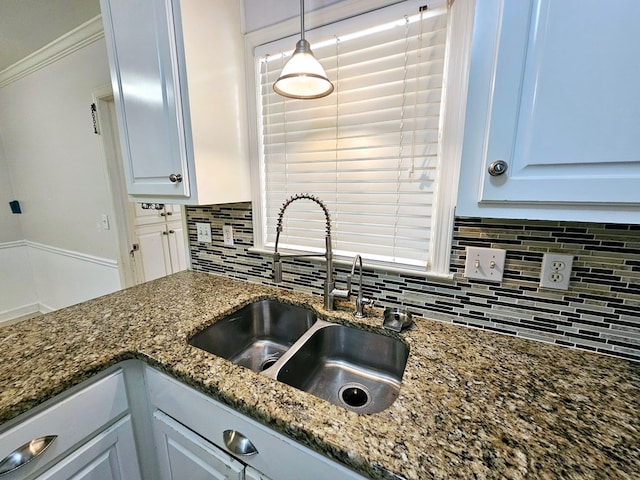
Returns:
point(152, 243)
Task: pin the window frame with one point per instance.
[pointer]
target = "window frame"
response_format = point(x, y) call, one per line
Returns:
point(459, 37)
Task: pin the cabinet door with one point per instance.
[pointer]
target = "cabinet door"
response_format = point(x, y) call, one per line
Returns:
point(173, 212)
point(177, 246)
point(140, 37)
point(565, 103)
point(184, 455)
point(153, 259)
point(109, 456)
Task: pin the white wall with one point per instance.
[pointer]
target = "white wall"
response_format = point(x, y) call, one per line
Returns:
point(10, 229)
point(18, 295)
point(63, 278)
point(53, 161)
point(262, 13)
point(53, 155)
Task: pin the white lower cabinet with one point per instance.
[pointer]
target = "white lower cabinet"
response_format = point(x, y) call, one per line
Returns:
point(160, 244)
point(184, 455)
point(160, 240)
point(161, 250)
point(92, 436)
point(204, 422)
point(135, 423)
point(109, 456)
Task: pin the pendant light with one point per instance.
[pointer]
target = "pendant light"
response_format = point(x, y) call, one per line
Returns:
point(302, 76)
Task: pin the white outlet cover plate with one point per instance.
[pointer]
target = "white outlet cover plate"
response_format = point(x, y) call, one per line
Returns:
point(555, 271)
point(485, 263)
point(227, 234)
point(204, 232)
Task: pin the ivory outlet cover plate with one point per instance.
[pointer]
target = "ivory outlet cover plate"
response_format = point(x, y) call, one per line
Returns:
point(227, 234)
point(555, 271)
point(485, 263)
point(204, 232)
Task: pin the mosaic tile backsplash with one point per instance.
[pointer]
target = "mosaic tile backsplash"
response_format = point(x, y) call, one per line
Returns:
point(600, 311)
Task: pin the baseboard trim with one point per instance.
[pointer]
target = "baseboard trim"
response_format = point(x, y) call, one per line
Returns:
point(22, 311)
point(42, 308)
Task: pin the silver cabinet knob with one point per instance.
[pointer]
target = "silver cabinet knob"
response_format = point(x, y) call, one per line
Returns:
point(175, 177)
point(25, 453)
point(237, 443)
point(497, 168)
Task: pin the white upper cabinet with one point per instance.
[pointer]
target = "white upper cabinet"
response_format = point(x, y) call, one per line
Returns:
point(554, 94)
point(177, 71)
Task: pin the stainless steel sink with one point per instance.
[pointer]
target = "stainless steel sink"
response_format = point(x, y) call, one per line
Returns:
point(358, 370)
point(355, 369)
point(256, 335)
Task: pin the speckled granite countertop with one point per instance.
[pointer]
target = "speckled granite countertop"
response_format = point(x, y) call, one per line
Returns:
point(472, 405)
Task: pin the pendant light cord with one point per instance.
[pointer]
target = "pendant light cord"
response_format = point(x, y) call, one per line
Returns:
point(302, 19)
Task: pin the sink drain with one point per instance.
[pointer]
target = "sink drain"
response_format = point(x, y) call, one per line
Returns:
point(269, 362)
point(354, 395)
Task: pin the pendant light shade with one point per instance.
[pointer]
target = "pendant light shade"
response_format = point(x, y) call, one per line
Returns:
point(302, 76)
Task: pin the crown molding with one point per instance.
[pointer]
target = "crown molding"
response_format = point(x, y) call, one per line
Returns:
point(87, 33)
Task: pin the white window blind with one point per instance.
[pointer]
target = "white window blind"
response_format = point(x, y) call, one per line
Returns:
point(369, 150)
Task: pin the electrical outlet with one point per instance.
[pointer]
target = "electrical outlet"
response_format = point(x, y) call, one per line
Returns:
point(555, 271)
point(204, 232)
point(227, 233)
point(485, 263)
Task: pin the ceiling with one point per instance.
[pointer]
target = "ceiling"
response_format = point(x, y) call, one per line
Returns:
point(28, 25)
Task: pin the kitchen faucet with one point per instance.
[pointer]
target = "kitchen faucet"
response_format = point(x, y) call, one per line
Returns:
point(330, 292)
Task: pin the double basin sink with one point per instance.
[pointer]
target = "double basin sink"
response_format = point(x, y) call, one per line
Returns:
point(352, 368)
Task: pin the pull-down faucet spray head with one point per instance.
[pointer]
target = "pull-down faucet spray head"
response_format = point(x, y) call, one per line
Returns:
point(329, 290)
point(277, 268)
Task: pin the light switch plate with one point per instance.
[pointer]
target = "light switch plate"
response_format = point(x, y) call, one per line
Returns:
point(485, 263)
point(555, 271)
point(204, 232)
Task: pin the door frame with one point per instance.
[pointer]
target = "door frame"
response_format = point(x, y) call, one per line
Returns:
point(106, 129)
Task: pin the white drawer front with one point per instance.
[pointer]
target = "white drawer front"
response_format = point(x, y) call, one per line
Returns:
point(72, 419)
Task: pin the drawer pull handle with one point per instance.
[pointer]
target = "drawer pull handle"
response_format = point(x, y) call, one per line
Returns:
point(237, 443)
point(25, 453)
